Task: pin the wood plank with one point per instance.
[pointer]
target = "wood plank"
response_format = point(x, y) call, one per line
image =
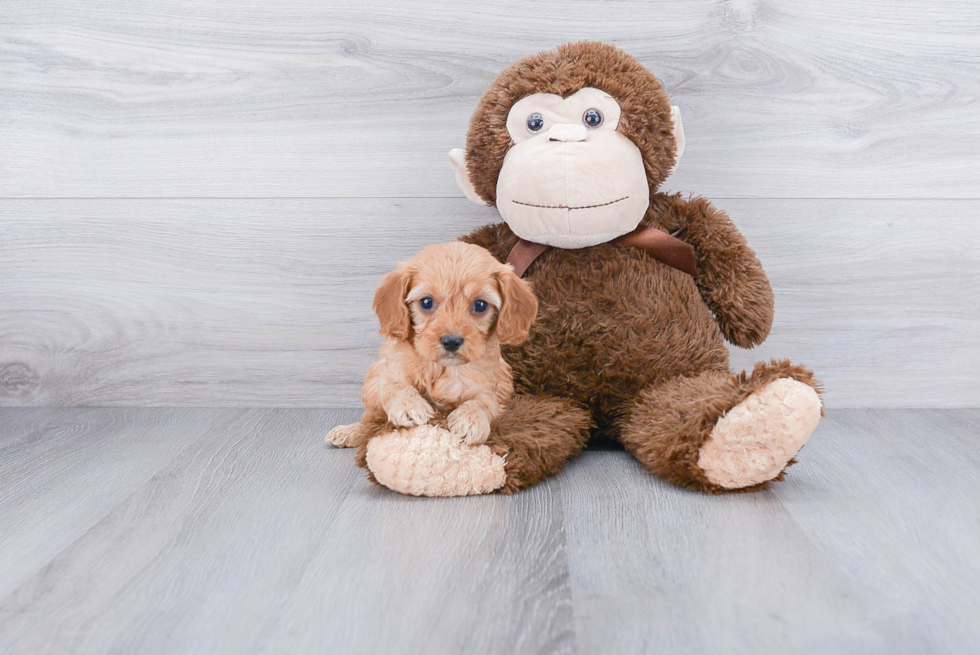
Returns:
point(331, 99)
point(65, 470)
point(471, 575)
point(655, 568)
point(261, 537)
point(880, 298)
point(889, 497)
point(255, 537)
point(166, 302)
point(868, 547)
point(267, 302)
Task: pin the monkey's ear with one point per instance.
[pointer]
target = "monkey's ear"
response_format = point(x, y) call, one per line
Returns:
point(390, 306)
point(675, 115)
point(457, 159)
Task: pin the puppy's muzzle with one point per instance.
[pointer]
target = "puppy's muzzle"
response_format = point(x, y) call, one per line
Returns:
point(451, 342)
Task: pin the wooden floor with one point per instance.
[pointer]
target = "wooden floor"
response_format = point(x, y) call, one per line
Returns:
point(238, 531)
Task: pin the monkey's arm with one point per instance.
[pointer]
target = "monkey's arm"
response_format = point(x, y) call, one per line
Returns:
point(730, 277)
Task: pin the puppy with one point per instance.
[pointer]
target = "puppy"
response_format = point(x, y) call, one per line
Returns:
point(444, 315)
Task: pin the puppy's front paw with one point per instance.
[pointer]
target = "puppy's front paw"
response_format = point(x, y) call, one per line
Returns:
point(408, 409)
point(470, 423)
point(344, 436)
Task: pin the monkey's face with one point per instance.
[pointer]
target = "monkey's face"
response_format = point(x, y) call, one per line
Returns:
point(570, 180)
point(569, 144)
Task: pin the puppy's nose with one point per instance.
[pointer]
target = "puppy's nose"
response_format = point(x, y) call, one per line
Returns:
point(451, 342)
point(567, 132)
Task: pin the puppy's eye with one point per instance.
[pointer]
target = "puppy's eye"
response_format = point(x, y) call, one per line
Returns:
point(427, 304)
point(480, 306)
point(535, 122)
point(592, 118)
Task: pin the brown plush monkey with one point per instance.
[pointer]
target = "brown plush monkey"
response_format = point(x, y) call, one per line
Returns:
point(571, 145)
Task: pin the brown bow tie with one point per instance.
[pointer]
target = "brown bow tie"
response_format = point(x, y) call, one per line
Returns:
point(658, 244)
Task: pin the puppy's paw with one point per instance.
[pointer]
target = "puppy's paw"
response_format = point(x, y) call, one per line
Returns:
point(408, 409)
point(344, 436)
point(470, 423)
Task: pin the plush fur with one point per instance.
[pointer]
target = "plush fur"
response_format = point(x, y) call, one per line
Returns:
point(623, 345)
point(659, 386)
point(748, 446)
point(670, 422)
point(622, 321)
point(537, 435)
point(422, 461)
point(633, 342)
point(645, 120)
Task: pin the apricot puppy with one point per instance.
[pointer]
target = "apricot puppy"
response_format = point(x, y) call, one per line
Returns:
point(444, 315)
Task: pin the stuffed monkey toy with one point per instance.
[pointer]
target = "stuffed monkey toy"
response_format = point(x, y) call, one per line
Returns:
point(637, 292)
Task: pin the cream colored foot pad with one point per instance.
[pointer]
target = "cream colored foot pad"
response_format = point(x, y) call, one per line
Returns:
point(430, 461)
point(754, 441)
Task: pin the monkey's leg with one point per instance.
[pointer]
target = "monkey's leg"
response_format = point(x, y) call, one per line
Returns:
point(719, 432)
point(530, 441)
point(537, 435)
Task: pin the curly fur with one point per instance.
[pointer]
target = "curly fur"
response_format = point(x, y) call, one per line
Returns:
point(416, 375)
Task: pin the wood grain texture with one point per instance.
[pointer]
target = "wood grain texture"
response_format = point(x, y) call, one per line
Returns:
point(903, 526)
point(247, 535)
point(268, 302)
point(316, 98)
point(61, 473)
point(868, 547)
point(263, 539)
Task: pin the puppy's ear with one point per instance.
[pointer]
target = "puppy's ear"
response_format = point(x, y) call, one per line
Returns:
point(518, 307)
point(390, 306)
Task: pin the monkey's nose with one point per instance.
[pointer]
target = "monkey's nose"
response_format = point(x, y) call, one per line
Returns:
point(451, 342)
point(567, 132)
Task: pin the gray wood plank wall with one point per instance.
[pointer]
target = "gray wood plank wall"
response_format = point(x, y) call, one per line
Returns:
point(196, 198)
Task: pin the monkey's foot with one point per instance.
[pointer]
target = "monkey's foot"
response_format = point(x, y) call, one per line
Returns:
point(757, 438)
point(430, 461)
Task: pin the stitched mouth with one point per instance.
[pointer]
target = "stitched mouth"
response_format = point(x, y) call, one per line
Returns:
point(604, 204)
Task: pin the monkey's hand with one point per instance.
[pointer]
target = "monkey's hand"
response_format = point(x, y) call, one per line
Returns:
point(470, 422)
point(730, 277)
point(407, 408)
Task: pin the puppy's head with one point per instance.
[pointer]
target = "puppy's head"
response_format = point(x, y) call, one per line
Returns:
point(452, 301)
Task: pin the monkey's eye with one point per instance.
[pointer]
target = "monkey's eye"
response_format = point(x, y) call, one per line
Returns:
point(592, 118)
point(427, 304)
point(535, 122)
point(480, 306)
